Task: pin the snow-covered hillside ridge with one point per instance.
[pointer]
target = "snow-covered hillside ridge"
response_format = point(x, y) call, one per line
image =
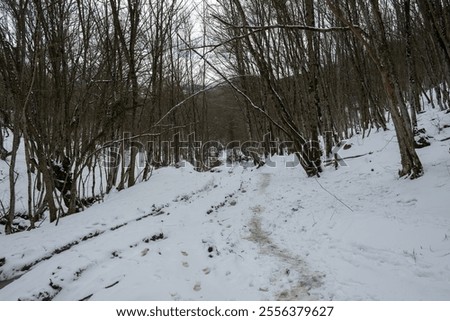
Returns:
point(356, 233)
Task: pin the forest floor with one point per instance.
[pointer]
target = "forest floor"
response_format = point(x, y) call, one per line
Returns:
point(235, 233)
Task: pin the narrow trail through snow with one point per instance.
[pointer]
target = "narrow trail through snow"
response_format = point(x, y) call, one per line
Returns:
point(64, 271)
point(306, 279)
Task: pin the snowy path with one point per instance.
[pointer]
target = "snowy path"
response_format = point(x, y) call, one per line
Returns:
point(95, 264)
point(300, 289)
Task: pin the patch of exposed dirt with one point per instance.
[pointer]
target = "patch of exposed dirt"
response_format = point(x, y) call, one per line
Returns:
point(301, 289)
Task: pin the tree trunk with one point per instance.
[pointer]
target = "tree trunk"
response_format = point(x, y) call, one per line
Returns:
point(414, 93)
point(411, 164)
point(12, 181)
point(378, 49)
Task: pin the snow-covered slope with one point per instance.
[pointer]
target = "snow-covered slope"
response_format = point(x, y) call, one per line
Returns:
point(356, 233)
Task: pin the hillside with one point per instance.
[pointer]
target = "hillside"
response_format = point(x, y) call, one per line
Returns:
point(356, 233)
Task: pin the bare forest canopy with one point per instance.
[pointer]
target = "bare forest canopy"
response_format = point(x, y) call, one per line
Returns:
point(87, 83)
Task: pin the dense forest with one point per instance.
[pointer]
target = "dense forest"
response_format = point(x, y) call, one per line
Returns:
point(99, 93)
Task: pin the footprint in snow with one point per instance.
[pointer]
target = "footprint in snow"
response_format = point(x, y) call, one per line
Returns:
point(408, 202)
point(197, 287)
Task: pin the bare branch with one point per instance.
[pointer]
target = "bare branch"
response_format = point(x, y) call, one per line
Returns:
point(240, 92)
point(286, 27)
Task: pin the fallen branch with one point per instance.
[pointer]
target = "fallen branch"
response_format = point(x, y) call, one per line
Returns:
point(331, 161)
point(357, 156)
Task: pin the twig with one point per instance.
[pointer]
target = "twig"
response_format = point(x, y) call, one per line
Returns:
point(42, 221)
point(340, 201)
point(387, 144)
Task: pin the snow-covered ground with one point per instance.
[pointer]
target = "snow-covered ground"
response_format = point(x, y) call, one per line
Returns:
point(356, 233)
